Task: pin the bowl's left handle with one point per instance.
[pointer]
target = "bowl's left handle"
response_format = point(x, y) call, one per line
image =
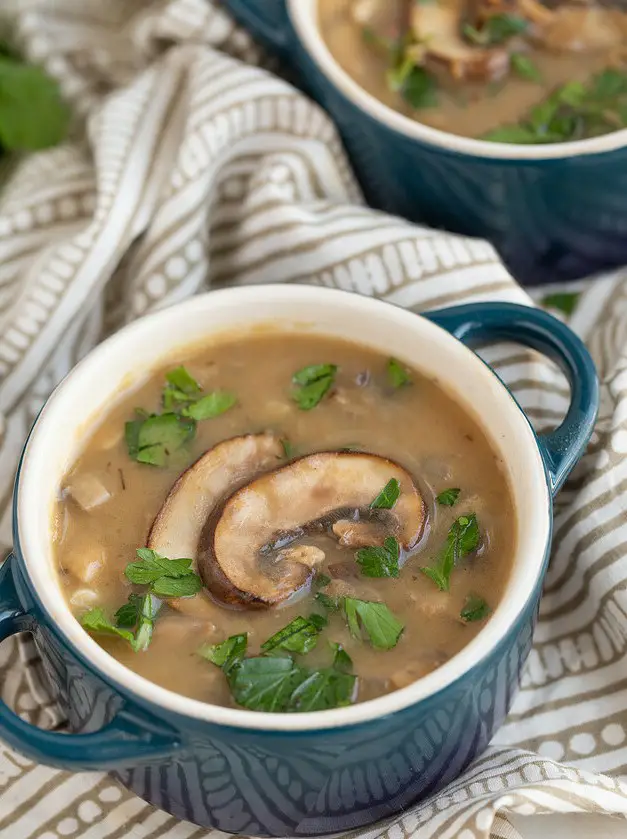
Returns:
point(481, 323)
point(128, 740)
point(267, 20)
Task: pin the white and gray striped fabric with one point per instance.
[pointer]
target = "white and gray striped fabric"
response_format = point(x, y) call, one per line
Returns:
point(192, 168)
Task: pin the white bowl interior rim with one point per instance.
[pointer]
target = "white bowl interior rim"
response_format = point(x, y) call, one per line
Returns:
point(99, 378)
point(304, 17)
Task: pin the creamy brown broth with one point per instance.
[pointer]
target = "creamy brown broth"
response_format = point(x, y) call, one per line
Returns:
point(418, 425)
point(569, 43)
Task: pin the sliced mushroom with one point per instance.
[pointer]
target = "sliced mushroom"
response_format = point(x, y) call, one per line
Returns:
point(581, 29)
point(195, 495)
point(233, 557)
point(359, 534)
point(438, 28)
point(307, 555)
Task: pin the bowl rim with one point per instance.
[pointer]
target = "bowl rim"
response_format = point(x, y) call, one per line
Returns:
point(529, 564)
point(300, 12)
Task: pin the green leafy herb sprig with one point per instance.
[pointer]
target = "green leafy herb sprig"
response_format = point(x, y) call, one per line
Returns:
point(134, 621)
point(312, 383)
point(575, 111)
point(463, 539)
point(33, 115)
point(154, 438)
point(278, 683)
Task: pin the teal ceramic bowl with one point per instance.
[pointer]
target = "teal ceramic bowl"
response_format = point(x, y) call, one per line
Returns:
point(554, 212)
point(278, 775)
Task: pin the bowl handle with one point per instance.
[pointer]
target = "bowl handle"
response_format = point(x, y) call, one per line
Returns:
point(126, 741)
point(267, 20)
point(485, 323)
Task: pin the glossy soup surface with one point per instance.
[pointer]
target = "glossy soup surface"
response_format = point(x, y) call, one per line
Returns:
point(109, 501)
point(516, 72)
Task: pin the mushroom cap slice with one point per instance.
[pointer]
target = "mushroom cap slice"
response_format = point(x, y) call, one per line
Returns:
point(234, 559)
point(223, 469)
point(438, 28)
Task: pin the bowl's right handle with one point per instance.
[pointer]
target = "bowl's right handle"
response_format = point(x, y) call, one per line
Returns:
point(486, 323)
point(128, 740)
point(267, 20)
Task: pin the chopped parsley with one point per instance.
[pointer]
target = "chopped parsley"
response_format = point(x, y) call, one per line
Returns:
point(277, 684)
point(374, 620)
point(524, 67)
point(380, 561)
point(496, 30)
point(134, 621)
point(388, 496)
point(565, 301)
point(475, 609)
point(154, 438)
point(299, 636)
point(166, 577)
point(574, 111)
point(288, 448)
point(448, 497)
point(462, 539)
point(397, 374)
point(312, 384)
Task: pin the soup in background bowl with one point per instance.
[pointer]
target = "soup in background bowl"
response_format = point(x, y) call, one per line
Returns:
point(504, 122)
point(276, 454)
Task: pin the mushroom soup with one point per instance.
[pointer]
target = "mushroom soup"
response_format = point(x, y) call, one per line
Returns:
point(510, 71)
point(285, 523)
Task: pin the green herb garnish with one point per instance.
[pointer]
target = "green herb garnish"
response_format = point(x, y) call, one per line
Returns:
point(375, 620)
point(277, 684)
point(575, 111)
point(332, 604)
point(33, 115)
point(397, 374)
point(134, 621)
point(496, 30)
point(155, 439)
point(462, 539)
point(227, 654)
point(448, 497)
point(475, 609)
point(388, 496)
point(321, 580)
point(380, 561)
point(565, 302)
point(211, 405)
point(312, 384)
point(299, 636)
point(167, 577)
point(288, 448)
point(524, 67)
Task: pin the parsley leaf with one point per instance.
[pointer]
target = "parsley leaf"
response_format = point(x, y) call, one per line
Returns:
point(321, 580)
point(288, 448)
point(299, 636)
point(341, 659)
point(388, 496)
point(565, 301)
point(380, 561)
point(375, 619)
point(312, 384)
point(152, 565)
point(32, 113)
point(183, 587)
point(96, 621)
point(497, 29)
point(138, 614)
point(182, 380)
point(448, 497)
point(524, 67)
point(330, 603)
point(475, 609)
point(323, 689)
point(397, 374)
point(227, 654)
point(211, 405)
point(462, 539)
point(154, 439)
point(167, 577)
